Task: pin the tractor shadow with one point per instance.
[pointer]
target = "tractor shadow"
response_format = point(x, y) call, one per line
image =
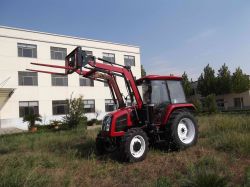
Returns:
point(87, 150)
point(163, 147)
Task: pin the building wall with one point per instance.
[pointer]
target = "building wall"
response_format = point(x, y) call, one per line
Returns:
point(229, 99)
point(10, 64)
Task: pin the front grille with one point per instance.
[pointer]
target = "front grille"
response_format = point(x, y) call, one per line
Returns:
point(104, 121)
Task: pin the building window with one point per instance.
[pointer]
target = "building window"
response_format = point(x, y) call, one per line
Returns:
point(238, 102)
point(89, 52)
point(128, 102)
point(220, 103)
point(86, 82)
point(89, 105)
point(60, 107)
point(27, 50)
point(106, 84)
point(109, 57)
point(129, 60)
point(27, 78)
point(58, 53)
point(59, 80)
point(109, 105)
point(28, 107)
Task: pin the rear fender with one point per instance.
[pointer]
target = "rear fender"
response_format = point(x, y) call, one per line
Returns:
point(172, 107)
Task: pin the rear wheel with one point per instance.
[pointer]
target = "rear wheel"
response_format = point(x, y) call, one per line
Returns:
point(134, 146)
point(183, 130)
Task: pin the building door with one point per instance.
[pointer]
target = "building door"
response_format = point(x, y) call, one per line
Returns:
point(238, 102)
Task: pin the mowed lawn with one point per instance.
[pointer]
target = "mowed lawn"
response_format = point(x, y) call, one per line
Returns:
point(67, 158)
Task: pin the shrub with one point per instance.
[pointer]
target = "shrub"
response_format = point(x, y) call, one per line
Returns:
point(55, 124)
point(163, 182)
point(41, 128)
point(92, 122)
point(247, 177)
point(197, 103)
point(207, 172)
point(228, 133)
point(31, 119)
point(205, 179)
point(75, 114)
point(210, 104)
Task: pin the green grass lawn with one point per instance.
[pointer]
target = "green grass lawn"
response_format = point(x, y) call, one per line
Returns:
point(67, 158)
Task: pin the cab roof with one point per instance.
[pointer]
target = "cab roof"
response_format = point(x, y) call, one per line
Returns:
point(158, 77)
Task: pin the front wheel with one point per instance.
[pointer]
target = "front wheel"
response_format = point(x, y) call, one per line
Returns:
point(184, 131)
point(134, 146)
point(105, 145)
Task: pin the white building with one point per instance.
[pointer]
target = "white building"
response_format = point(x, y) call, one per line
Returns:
point(22, 92)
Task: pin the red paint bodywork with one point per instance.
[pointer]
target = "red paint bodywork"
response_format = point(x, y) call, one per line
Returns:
point(107, 73)
point(127, 110)
point(126, 73)
point(170, 108)
point(115, 115)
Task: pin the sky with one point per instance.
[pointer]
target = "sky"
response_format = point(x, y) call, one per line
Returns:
point(173, 35)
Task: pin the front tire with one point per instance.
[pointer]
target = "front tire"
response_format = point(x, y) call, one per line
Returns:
point(104, 145)
point(183, 130)
point(134, 146)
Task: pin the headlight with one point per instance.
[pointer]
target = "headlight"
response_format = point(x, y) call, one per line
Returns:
point(106, 123)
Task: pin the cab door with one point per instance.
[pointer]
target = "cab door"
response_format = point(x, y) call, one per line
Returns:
point(159, 96)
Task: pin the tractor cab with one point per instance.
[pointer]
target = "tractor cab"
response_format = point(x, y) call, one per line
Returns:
point(158, 92)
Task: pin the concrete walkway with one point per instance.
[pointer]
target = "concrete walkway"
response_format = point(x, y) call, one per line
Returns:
point(13, 130)
point(10, 130)
point(94, 127)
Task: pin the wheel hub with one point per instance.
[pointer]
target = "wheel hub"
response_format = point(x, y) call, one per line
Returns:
point(186, 130)
point(137, 146)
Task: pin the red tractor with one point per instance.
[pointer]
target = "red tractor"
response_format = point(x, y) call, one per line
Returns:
point(163, 115)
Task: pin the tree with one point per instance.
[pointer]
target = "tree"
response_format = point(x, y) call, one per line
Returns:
point(240, 81)
point(210, 104)
point(207, 81)
point(143, 72)
point(31, 119)
point(224, 80)
point(97, 113)
point(75, 114)
point(200, 84)
point(197, 103)
point(186, 84)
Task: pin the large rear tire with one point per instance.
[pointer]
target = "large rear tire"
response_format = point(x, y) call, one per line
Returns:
point(134, 145)
point(183, 130)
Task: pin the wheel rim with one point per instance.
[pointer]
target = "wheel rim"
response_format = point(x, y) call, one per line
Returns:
point(137, 146)
point(186, 130)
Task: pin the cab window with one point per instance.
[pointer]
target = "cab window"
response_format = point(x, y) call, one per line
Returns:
point(176, 91)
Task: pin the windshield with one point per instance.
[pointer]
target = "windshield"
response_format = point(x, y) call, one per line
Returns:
point(156, 92)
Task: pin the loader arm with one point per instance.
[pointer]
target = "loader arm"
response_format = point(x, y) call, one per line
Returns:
point(78, 59)
point(91, 74)
point(124, 72)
